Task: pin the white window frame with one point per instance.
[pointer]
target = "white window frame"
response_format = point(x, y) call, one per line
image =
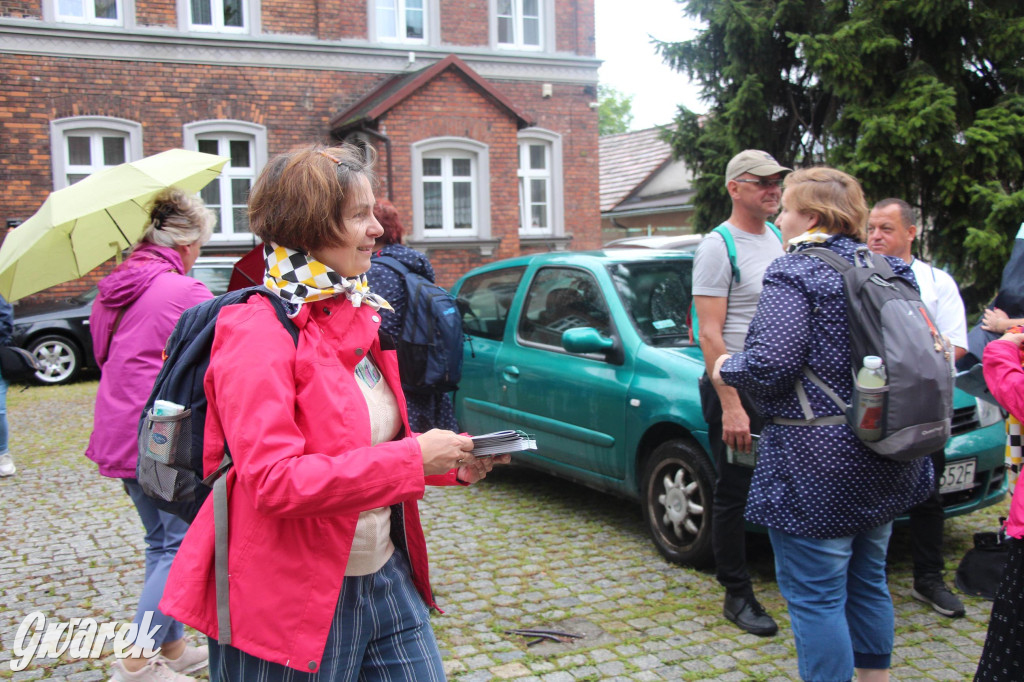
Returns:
point(546, 32)
point(250, 18)
point(51, 12)
point(453, 147)
point(431, 18)
point(225, 129)
point(61, 128)
point(556, 217)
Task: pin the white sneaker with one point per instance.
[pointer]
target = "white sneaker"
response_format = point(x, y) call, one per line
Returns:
point(6, 465)
point(192, 659)
point(154, 671)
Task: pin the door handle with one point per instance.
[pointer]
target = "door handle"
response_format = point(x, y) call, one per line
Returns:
point(510, 373)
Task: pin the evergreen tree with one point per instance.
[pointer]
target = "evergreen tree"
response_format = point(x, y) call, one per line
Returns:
point(917, 99)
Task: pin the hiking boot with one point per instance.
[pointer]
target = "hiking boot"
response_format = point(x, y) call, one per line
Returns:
point(6, 466)
point(935, 593)
point(154, 671)
point(192, 659)
point(747, 613)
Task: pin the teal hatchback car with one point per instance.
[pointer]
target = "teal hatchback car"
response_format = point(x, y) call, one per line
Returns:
point(591, 353)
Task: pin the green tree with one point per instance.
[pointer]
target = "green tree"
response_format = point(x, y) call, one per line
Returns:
point(614, 110)
point(918, 99)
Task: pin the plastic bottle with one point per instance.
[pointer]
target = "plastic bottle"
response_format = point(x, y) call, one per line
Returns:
point(870, 400)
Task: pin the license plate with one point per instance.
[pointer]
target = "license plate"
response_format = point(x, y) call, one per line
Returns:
point(958, 475)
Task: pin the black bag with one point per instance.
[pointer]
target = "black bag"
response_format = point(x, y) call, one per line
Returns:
point(430, 345)
point(17, 364)
point(170, 464)
point(981, 569)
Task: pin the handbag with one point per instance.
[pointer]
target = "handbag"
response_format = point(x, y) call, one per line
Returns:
point(981, 569)
point(17, 364)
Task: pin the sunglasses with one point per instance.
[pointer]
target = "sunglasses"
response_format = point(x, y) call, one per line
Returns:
point(762, 183)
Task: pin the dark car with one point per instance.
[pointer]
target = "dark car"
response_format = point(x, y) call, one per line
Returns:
point(57, 332)
point(590, 352)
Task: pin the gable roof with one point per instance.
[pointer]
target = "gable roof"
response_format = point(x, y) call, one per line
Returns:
point(394, 90)
point(627, 160)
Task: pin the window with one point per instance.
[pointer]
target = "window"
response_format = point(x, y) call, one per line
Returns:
point(540, 183)
point(401, 20)
point(519, 24)
point(103, 12)
point(561, 299)
point(485, 299)
point(83, 145)
point(245, 145)
point(227, 16)
point(450, 194)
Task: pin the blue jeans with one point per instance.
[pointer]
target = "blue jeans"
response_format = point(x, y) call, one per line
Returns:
point(380, 632)
point(164, 533)
point(839, 603)
point(3, 415)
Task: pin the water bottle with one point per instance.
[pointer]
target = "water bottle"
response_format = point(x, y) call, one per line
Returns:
point(870, 390)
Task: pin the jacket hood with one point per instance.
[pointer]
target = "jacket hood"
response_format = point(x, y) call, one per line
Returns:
point(410, 258)
point(129, 279)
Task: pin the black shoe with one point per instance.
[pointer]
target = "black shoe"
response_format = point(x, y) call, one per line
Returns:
point(747, 613)
point(935, 593)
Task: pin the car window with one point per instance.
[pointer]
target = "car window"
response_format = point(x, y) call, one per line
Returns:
point(216, 277)
point(560, 299)
point(484, 301)
point(657, 296)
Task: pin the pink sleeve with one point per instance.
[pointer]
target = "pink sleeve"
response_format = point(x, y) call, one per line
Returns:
point(1004, 375)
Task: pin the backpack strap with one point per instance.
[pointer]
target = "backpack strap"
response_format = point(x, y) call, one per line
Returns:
point(218, 480)
point(393, 263)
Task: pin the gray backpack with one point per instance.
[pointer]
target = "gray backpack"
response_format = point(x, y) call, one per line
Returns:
point(888, 319)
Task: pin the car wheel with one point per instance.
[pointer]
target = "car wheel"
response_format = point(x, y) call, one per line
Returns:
point(59, 357)
point(678, 484)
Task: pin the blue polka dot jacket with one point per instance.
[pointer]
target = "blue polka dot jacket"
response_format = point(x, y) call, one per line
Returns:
point(814, 481)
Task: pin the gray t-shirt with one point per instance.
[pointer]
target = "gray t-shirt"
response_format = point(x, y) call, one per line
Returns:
point(712, 276)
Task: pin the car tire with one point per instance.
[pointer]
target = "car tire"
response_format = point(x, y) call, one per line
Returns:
point(677, 487)
point(59, 357)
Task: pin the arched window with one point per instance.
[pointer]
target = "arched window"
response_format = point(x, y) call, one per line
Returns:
point(82, 145)
point(450, 189)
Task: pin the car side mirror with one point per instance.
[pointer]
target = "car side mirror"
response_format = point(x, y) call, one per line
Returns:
point(586, 340)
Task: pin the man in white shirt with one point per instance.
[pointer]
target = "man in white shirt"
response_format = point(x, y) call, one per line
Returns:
point(891, 231)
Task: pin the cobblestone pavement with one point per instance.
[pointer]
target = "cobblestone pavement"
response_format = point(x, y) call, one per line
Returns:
point(519, 550)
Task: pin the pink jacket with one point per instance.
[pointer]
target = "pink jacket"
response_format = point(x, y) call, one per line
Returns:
point(1005, 379)
point(298, 429)
point(151, 287)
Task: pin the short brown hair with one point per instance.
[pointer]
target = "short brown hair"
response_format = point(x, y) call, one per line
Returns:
point(835, 197)
point(906, 212)
point(387, 215)
point(299, 199)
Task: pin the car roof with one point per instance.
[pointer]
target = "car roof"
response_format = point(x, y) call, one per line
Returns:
point(601, 257)
point(657, 241)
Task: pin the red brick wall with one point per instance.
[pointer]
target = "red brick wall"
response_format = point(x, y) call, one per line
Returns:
point(574, 26)
point(156, 13)
point(22, 9)
point(465, 22)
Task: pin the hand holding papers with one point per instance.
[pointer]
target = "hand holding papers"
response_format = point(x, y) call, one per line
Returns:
point(501, 442)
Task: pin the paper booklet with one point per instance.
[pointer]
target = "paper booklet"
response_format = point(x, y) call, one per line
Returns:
point(501, 442)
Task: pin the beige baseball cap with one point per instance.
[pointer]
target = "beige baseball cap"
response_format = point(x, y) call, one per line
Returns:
point(755, 162)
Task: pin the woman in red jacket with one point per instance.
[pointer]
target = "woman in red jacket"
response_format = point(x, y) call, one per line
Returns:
point(327, 559)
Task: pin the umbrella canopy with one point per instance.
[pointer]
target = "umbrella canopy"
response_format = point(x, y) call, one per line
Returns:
point(248, 271)
point(80, 227)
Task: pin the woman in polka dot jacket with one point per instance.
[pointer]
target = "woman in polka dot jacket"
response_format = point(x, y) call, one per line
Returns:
point(827, 500)
point(426, 410)
point(1003, 655)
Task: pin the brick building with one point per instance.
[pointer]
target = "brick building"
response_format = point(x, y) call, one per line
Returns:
point(480, 110)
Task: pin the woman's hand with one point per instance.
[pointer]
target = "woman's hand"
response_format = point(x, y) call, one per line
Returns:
point(716, 374)
point(1016, 338)
point(443, 451)
point(476, 468)
point(995, 320)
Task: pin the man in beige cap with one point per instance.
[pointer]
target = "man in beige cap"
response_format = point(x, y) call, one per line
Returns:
point(727, 273)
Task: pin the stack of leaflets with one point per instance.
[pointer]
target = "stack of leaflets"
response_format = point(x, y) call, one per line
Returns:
point(501, 442)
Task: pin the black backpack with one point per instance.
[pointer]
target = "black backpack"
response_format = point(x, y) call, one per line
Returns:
point(430, 345)
point(170, 464)
point(888, 319)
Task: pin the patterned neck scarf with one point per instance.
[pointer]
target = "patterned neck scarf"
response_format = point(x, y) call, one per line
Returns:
point(815, 235)
point(298, 278)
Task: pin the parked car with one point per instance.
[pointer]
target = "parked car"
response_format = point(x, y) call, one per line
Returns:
point(679, 242)
point(590, 353)
point(57, 332)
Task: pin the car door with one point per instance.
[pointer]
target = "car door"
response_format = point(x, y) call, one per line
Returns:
point(484, 301)
point(573, 403)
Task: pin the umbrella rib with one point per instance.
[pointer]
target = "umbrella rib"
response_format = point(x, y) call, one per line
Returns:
point(127, 243)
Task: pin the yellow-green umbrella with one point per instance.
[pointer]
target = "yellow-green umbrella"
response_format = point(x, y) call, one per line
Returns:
point(80, 227)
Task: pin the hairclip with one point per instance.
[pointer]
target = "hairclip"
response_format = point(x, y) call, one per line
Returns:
point(330, 156)
point(159, 214)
